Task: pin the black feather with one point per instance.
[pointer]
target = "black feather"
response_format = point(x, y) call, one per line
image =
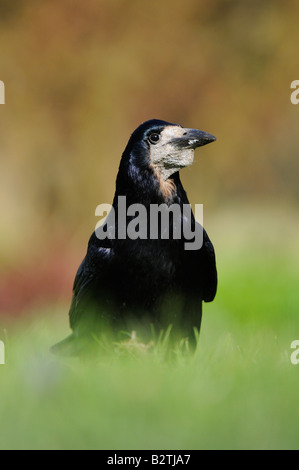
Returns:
point(133, 284)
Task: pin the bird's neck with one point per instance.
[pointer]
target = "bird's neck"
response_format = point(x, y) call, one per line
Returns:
point(139, 192)
point(146, 186)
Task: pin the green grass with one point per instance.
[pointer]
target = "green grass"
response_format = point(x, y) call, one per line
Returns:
point(239, 391)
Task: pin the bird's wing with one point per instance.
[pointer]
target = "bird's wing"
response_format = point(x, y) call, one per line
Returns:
point(208, 261)
point(89, 275)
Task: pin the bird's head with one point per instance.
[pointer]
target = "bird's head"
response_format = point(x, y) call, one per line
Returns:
point(165, 147)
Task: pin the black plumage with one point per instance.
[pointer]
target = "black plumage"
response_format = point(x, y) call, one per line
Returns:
point(139, 284)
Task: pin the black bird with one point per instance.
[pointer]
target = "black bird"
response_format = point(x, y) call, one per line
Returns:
point(134, 281)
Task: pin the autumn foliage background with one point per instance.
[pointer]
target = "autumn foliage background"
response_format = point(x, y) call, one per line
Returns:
point(81, 76)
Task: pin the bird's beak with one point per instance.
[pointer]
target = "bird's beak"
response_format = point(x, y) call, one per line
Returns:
point(193, 138)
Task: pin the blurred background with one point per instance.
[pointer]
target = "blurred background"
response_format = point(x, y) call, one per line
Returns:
point(81, 76)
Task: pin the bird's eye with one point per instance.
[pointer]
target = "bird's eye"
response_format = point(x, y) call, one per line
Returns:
point(154, 138)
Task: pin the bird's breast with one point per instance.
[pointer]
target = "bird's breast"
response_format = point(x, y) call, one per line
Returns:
point(146, 271)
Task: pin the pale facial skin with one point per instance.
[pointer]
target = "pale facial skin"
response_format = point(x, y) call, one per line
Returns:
point(175, 149)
